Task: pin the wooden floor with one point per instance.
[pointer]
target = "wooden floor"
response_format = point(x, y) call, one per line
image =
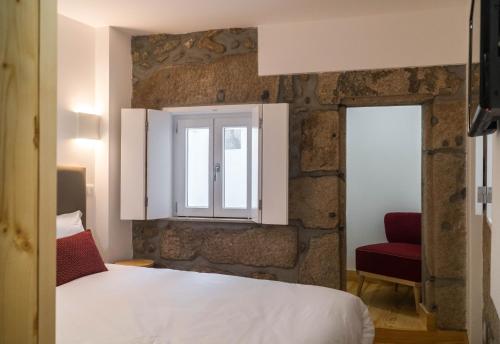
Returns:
point(389, 308)
point(388, 336)
point(395, 318)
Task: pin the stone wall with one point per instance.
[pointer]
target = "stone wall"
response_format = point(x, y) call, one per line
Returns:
point(221, 67)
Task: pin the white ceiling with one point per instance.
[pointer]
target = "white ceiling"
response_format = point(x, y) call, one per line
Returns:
point(180, 16)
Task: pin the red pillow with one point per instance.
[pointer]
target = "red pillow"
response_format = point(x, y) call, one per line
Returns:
point(77, 256)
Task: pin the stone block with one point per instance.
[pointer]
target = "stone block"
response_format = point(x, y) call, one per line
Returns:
point(327, 88)
point(444, 214)
point(180, 243)
point(446, 127)
point(321, 264)
point(198, 84)
point(208, 41)
point(138, 245)
point(450, 299)
point(320, 141)
point(287, 93)
point(261, 246)
point(315, 201)
point(256, 247)
point(295, 139)
point(332, 87)
point(150, 232)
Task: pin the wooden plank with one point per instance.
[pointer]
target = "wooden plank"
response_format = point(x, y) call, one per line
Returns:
point(388, 308)
point(19, 141)
point(27, 171)
point(351, 275)
point(428, 317)
point(389, 279)
point(388, 336)
point(47, 172)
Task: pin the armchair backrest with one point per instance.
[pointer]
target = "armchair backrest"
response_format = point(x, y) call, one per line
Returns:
point(403, 227)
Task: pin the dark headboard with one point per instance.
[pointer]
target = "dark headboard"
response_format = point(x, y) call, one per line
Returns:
point(71, 191)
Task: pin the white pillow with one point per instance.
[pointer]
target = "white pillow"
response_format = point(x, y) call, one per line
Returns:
point(69, 224)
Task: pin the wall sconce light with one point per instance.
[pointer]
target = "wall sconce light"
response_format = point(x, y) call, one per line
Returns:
point(88, 126)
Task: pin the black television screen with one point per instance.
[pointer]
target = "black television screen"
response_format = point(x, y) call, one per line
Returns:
point(484, 67)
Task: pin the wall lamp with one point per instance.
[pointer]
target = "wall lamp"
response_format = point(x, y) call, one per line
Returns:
point(88, 126)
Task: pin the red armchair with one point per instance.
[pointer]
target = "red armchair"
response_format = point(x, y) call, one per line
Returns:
point(398, 260)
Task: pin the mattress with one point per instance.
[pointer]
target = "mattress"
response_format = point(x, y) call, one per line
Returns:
point(152, 306)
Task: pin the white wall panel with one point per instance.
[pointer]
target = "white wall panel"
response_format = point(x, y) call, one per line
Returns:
point(417, 38)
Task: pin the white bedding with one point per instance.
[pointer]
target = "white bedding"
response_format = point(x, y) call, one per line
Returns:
point(153, 306)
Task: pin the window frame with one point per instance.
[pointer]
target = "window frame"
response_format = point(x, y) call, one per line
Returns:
point(253, 115)
point(218, 153)
point(179, 180)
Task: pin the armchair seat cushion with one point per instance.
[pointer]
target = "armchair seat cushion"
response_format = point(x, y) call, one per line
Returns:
point(398, 260)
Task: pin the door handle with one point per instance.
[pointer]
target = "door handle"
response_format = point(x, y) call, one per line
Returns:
point(216, 170)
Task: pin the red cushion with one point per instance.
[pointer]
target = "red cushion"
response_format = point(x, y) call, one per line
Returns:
point(399, 260)
point(77, 256)
point(403, 227)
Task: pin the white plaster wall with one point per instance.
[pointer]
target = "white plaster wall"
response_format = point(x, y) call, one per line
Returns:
point(95, 76)
point(113, 91)
point(383, 170)
point(419, 38)
point(120, 96)
point(102, 150)
point(75, 93)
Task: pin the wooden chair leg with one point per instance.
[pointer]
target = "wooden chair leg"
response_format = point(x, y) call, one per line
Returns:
point(416, 294)
point(361, 280)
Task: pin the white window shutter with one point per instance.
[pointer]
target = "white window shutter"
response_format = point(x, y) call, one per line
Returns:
point(275, 164)
point(256, 149)
point(133, 164)
point(159, 165)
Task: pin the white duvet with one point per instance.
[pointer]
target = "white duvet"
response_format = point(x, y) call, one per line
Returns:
point(162, 306)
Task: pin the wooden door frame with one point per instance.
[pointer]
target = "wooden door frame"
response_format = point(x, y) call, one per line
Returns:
point(28, 170)
point(47, 172)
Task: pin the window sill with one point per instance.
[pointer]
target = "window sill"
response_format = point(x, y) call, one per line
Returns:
point(210, 219)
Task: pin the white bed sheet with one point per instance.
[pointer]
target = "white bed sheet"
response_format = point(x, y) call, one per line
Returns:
point(162, 306)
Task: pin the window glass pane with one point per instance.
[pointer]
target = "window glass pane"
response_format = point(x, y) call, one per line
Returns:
point(197, 169)
point(235, 167)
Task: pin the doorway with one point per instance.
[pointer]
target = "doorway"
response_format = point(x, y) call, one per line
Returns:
point(383, 176)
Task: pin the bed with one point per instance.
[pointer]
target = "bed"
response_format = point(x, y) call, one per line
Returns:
point(151, 306)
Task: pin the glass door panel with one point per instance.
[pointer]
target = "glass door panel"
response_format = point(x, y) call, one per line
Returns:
point(193, 167)
point(232, 154)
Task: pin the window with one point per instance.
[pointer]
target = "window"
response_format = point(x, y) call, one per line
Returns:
point(213, 166)
point(225, 162)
